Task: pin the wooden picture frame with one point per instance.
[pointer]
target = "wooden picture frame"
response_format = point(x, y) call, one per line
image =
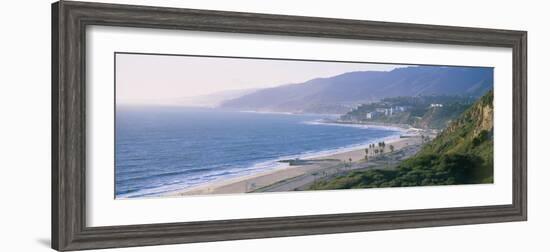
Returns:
point(69, 20)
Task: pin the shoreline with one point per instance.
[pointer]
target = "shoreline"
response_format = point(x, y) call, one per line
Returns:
point(395, 126)
point(273, 165)
point(308, 168)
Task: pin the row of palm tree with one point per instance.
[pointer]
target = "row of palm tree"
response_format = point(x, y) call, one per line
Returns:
point(377, 149)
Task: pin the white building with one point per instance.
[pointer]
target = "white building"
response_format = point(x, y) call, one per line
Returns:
point(369, 115)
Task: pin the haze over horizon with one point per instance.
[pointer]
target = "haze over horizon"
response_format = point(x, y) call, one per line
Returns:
point(166, 79)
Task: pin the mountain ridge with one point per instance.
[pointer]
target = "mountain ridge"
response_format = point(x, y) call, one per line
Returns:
point(339, 93)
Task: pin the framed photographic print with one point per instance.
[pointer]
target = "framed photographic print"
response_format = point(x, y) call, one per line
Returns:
point(177, 125)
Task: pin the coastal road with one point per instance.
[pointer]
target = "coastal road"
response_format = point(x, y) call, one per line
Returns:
point(331, 169)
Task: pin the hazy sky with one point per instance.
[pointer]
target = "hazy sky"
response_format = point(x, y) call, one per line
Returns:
point(153, 78)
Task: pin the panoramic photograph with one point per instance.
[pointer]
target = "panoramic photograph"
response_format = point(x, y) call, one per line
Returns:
point(205, 125)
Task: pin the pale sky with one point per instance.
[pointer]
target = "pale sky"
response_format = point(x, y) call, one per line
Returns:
point(142, 79)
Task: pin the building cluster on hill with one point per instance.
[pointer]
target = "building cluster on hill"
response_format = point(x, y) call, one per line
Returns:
point(378, 112)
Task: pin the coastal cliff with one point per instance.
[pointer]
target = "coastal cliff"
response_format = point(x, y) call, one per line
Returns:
point(460, 154)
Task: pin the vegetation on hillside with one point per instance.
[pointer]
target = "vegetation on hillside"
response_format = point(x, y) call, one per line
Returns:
point(461, 154)
point(418, 111)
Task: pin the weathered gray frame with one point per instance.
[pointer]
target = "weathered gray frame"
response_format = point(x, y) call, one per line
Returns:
point(69, 20)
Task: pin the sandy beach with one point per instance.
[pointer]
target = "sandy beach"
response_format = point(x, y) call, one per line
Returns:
point(300, 176)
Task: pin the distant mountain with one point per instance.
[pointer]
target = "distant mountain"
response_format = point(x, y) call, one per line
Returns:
point(340, 93)
point(213, 99)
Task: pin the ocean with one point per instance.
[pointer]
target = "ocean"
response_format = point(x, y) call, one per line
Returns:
point(163, 149)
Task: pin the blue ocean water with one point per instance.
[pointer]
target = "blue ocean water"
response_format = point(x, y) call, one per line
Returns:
point(162, 149)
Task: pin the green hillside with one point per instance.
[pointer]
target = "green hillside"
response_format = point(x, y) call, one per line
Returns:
point(461, 154)
point(418, 111)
